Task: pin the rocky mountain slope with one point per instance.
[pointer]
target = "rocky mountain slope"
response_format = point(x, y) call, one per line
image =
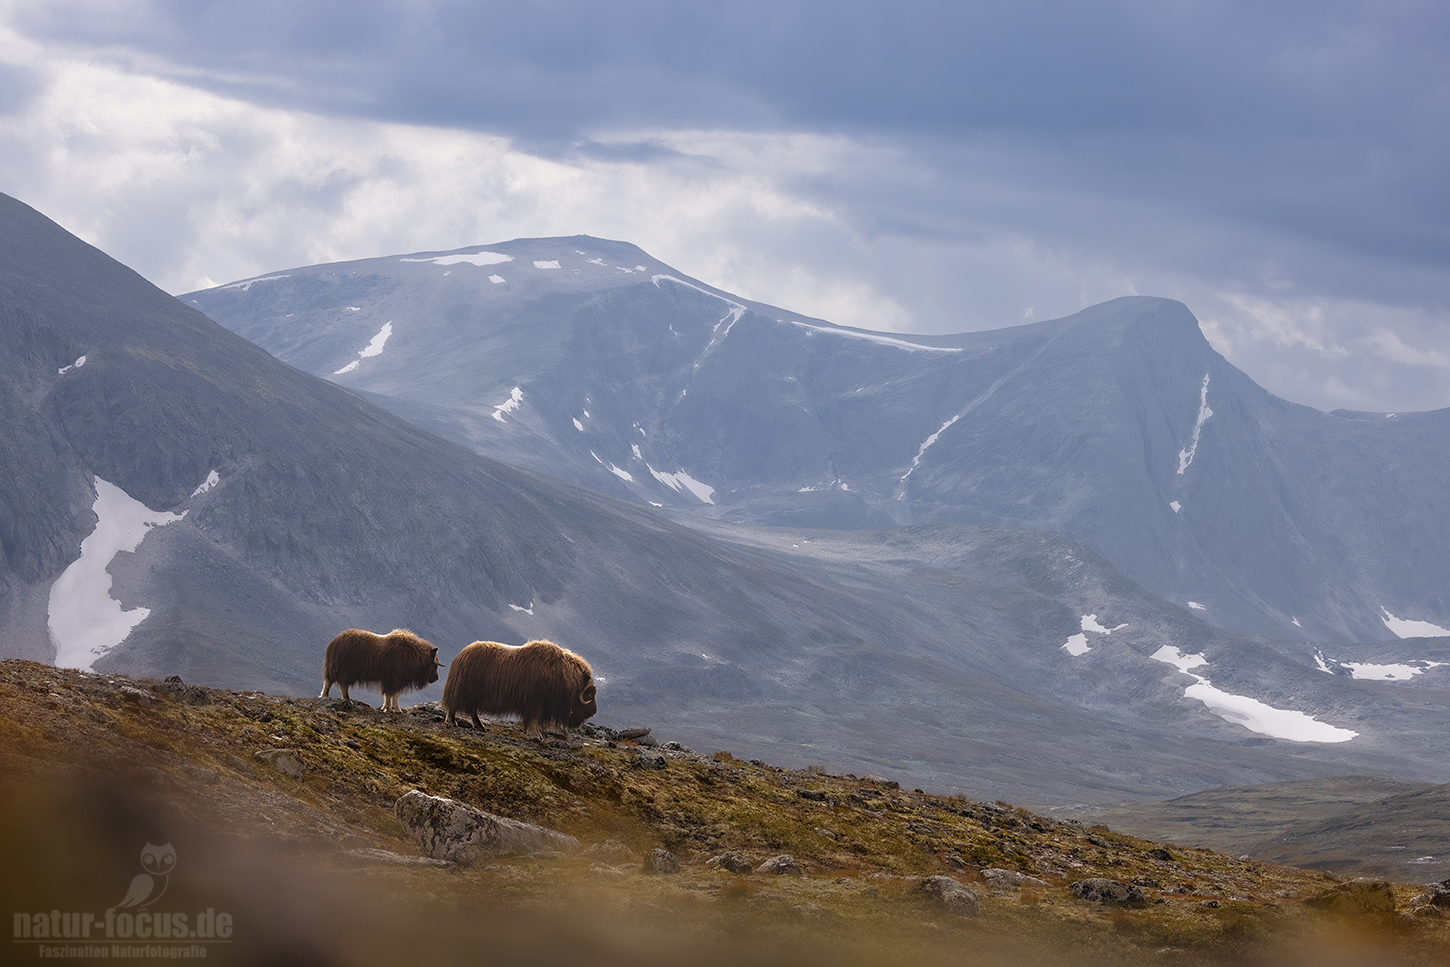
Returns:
point(1119, 427)
point(180, 502)
point(278, 827)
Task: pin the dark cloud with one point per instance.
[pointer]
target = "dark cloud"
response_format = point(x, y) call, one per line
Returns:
point(1283, 150)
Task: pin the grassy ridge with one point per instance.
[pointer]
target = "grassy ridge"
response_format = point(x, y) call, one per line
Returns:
point(96, 766)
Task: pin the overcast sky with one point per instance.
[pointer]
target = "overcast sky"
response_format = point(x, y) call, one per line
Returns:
point(913, 166)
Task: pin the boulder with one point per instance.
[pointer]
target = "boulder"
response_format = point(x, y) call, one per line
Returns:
point(661, 861)
point(780, 866)
point(459, 833)
point(733, 861)
point(1359, 896)
point(954, 897)
point(284, 761)
point(1100, 889)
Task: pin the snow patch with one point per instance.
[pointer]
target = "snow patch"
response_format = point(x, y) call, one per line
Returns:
point(877, 338)
point(621, 474)
point(1078, 644)
point(212, 479)
point(554, 264)
point(244, 286)
point(1175, 505)
point(927, 445)
point(528, 610)
point(516, 396)
point(475, 258)
point(75, 365)
point(85, 621)
point(1185, 456)
point(1196, 606)
point(577, 425)
point(496, 279)
point(1404, 628)
point(682, 481)
point(373, 348)
point(1372, 672)
point(1252, 714)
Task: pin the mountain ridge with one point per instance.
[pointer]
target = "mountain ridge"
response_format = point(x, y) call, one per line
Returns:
point(1119, 426)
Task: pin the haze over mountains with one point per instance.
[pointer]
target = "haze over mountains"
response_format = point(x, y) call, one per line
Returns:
point(1017, 663)
point(1119, 427)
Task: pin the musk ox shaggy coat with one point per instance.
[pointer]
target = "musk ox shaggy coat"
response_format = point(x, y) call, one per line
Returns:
point(539, 682)
point(394, 662)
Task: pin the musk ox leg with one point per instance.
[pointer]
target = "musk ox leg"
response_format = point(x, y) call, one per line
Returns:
point(477, 724)
point(326, 687)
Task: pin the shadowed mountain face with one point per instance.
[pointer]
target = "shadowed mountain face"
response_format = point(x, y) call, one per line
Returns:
point(1119, 427)
point(1013, 663)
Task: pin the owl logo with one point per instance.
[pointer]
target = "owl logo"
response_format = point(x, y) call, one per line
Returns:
point(146, 888)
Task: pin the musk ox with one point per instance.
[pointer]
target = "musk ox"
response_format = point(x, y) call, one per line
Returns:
point(394, 662)
point(539, 682)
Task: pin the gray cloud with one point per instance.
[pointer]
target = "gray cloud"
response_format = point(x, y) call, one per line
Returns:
point(1276, 166)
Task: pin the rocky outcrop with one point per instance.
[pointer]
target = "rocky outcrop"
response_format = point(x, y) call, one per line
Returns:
point(461, 834)
point(1359, 896)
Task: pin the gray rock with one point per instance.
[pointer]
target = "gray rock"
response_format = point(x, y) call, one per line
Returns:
point(175, 688)
point(661, 861)
point(649, 759)
point(1102, 890)
point(1011, 879)
point(780, 866)
point(954, 897)
point(1436, 895)
point(137, 696)
point(648, 741)
point(284, 761)
point(631, 733)
point(732, 860)
point(1358, 896)
point(461, 834)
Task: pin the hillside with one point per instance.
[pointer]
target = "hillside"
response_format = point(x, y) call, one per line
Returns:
point(264, 509)
point(314, 868)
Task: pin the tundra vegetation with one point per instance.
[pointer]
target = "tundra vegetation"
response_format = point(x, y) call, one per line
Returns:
point(281, 812)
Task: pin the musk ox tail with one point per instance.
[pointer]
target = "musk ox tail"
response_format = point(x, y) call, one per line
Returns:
point(394, 663)
point(540, 683)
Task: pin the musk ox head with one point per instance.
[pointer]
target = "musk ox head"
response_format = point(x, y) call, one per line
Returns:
point(584, 706)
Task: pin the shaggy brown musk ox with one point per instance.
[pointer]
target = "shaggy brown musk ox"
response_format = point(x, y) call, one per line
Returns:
point(394, 662)
point(539, 682)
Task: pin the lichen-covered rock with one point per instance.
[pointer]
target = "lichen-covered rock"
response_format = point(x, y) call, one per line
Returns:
point(1359, 896)
point(1100, 889)
point(284, 761)
point(733, 861)
point(661, 861)
point(953, 896)
point(780, 866)
point(454, 831)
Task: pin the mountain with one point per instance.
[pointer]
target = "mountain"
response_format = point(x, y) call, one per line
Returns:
point(1119, 426)
point(178, 501)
